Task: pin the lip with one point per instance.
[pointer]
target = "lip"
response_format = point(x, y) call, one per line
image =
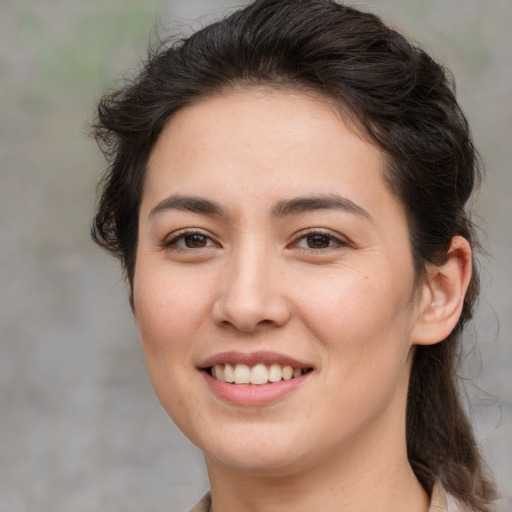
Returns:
point(253, 394)
point(252, 359)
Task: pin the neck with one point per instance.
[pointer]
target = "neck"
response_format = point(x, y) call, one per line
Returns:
point(376, 479)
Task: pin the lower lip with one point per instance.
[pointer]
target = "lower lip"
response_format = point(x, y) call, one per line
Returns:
point(253, 394)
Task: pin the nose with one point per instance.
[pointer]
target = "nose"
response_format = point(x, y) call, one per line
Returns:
point(252, 294)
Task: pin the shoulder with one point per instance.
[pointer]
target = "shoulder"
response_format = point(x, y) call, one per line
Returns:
point(204, 505)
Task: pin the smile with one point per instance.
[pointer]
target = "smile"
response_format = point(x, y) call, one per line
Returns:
point(254, 379)
point(258, 374)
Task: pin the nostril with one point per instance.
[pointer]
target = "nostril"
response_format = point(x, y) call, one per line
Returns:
point(248, 314)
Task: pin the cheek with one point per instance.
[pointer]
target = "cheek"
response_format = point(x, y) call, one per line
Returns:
point(363, 323)
point(349, 302)
point(166, 301)
point(166, 314)
point(166, 319)
point(364, 334)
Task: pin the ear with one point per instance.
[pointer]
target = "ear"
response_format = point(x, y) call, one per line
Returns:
point(442, 295)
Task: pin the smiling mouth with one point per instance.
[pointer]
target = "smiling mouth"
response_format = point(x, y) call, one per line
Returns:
point(258, 374)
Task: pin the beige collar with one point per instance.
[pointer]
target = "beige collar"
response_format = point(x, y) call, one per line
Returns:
point(438, 502)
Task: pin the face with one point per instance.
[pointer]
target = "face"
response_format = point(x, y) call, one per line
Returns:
point(272, 253)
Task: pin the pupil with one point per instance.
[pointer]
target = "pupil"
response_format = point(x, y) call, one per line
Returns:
point(194, 241)
point(318, 241)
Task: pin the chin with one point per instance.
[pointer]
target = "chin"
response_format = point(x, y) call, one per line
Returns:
point(255, 463)
point(257, 452)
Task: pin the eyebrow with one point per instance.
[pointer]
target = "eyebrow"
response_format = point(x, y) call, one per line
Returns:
point(188, 203)
point(283, 208)
point(322, 202)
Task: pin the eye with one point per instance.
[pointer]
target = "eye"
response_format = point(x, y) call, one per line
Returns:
point(318, 240)
point(195, 241)
point(189, 240)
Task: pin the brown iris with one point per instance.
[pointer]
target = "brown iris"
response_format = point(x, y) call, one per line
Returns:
point(195, 241)
point(318, 241)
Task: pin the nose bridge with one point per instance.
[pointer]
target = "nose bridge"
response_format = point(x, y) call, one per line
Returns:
point(252, 292)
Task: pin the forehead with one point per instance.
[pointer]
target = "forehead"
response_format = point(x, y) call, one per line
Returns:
point(263, 139)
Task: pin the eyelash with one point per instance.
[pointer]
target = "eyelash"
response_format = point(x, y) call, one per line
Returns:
point(327, 236)
point(182, 236)
point(333, 241)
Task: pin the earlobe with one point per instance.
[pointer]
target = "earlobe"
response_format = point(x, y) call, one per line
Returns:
point(442, 296)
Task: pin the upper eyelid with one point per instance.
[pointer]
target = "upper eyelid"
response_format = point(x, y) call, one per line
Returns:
point(338, 240)
point(184, 232)
point(318, 231)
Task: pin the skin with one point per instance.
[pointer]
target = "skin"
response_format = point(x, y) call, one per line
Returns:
point(346, 302)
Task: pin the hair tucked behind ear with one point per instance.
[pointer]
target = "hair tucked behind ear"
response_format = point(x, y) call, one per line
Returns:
point(397, 96)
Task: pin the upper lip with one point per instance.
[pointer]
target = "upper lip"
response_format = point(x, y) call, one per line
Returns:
point(253, 358)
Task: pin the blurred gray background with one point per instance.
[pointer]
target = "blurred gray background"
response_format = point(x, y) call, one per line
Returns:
point(80, 429)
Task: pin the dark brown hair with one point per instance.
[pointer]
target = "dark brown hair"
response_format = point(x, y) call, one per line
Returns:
point(398, 97)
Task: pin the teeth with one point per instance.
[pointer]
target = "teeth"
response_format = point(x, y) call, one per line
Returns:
point(218, 372)
point(258, 374)
point(242, 374)
point(275, 373)
point(229, 373)
point(287, 373)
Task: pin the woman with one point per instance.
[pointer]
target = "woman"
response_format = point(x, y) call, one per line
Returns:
point(286, 193)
